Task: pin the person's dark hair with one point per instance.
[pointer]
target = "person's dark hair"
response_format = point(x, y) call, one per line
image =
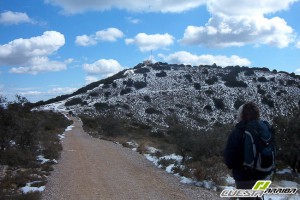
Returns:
point(250, 112)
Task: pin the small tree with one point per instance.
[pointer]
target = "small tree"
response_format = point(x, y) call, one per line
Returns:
point(288, 139)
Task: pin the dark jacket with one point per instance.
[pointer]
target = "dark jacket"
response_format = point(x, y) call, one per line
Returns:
point(233, 156)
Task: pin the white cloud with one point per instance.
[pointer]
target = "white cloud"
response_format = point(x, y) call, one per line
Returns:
point(14, 18)
point(84, 40)
point(298, 45)
point(297, 71)
point(51, 92)
point(238, 23)
point(101, 69)
point(107, 35)
point(69, 61)
point(62, 90)
point(72, 7)
point(224, 31)
point(183, 57)
point(31, 55)
point(151, 42)
point(246, 7)
point(133, 20)
point(91, 79)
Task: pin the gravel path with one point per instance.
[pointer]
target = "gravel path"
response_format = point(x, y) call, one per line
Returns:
point(90, 168)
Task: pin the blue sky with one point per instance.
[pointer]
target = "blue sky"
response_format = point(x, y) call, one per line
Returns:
point(53, 47)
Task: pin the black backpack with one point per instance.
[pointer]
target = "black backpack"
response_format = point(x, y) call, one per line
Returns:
point(259, 147)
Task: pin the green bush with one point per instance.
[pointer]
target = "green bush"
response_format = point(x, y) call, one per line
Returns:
point(197, 86)
point(161, 74)
point(287, 129)
point(101, 106)
point(219, 103)
point(152, 111)
point(262, 79)
point(188, 77)
point(265, 100)
point(238, 103)
point(235, 83)
point(249, 72)
point(139, 85)
point(211, 80)
point(147, 98)
point(74, 101)
point(23, 136)
point(142, 70)
point(125, 91)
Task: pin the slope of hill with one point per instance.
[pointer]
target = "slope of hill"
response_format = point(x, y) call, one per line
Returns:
point(198, 96)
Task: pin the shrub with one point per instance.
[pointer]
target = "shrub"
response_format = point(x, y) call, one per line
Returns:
point(107, 94)
point(179, 105)
point(139, 85)
point(125, 91)
point(111, 126)
point(287, 138)
point(262, 79)
point(212, 80)
point(161, 74)
point(268, 102)
point(219, 103)
point(188, 77)
point(141, 70)
point(147, 98)
point(101, 106)
point(161, 66)
point(249, 72)
point(126, 106)
point(152, 111)
point(238, 103)
point(291, 82)
point(209, 92)
point(74, 101)
point(128, 83)
point(235, 83)
point(205, 71)
point(231, 75)
point(106, 86)
point(197, 86)
point(93, 94)
point(281, 82)
point(208, 108)
point(261, 91)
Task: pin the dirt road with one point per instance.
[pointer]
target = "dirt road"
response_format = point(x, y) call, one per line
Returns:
point(90, 168)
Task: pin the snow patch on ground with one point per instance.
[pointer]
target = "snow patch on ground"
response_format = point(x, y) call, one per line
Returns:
point(69, 128)
point(42, 159)
point(57, 106)
point(28, 188)
point(282, 197)
point(176, 160)
point(288, 184)
point(284, 171)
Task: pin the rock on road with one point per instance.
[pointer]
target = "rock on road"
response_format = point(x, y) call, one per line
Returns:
point(94, 169)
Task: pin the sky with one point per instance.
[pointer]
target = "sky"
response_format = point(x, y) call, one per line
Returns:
point(54, 47)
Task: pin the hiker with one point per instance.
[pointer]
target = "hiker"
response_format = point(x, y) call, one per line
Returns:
point(246, 176)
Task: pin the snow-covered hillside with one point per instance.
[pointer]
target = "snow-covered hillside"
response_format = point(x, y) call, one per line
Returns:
point(198, 96)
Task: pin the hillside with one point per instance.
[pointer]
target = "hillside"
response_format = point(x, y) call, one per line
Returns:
point(198, 96)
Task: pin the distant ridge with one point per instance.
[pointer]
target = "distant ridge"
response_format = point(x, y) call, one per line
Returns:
point(198, 96)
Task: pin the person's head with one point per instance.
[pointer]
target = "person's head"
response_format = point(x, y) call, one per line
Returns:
point(248, 111)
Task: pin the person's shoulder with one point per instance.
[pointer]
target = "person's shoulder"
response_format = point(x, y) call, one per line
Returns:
point(241, 125)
